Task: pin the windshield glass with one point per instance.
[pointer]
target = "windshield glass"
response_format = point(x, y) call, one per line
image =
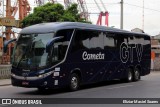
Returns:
point(30, 51)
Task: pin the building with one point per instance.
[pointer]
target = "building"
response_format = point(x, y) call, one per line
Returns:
point(155, 45)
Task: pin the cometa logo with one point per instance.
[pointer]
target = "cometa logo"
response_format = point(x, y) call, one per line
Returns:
point(98, 56)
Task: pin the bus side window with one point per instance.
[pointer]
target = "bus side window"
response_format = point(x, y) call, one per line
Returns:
point(147, 42)
point(122, 38)
point(81, 41)
point(60, 46)
point(139, 39)
point(109, 41)
point(96, 40)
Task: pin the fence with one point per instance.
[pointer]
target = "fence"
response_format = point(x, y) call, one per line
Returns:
point(5, 71)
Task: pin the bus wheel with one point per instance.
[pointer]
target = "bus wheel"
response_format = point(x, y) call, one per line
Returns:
point(136, 74)
point(74, 82)
point(129, 75)
point(40, 89)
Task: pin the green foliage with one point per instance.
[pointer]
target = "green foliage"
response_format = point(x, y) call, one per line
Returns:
point(53, 13)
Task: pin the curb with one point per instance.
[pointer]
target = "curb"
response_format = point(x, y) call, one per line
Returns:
point(5, 84)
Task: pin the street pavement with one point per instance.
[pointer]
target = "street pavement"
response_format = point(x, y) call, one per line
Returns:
point(5, 82)
point(147, 87)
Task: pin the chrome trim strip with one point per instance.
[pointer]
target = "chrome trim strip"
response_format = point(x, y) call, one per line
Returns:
point(32, 78)
point(18, 77)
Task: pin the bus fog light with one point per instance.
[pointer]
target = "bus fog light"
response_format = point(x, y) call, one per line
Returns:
point(56, 74)
point(13, 74)
point(45, 83)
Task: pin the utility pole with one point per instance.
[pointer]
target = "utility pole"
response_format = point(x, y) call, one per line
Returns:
point(143, 17)
point(121, 26)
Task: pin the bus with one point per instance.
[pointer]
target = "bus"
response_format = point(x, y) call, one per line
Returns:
point(60, 54)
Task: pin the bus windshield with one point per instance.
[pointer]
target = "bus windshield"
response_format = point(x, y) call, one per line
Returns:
point(30, 51)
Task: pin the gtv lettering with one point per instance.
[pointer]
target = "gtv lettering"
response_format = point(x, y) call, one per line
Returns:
point(127, 52)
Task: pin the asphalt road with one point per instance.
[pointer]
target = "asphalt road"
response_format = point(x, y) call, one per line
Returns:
point(147, 87)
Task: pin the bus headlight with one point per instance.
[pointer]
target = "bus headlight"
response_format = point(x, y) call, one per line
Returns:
point(45, 75)
point(40, 76)
point(13, 75)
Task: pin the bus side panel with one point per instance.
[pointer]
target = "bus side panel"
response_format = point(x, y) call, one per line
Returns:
point(97, 70)
point(87, 68)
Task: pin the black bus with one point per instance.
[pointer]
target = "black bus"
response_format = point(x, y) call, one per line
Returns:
point(58, 54)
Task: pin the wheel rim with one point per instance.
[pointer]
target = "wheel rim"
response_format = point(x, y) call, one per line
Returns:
point(74, 82)
point(136, 74)
point(129, 76)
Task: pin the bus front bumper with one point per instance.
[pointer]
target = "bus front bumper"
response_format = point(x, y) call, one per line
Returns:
point(34, 82)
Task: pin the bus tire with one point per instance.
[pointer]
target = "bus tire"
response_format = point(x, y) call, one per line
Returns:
point(40, 89)
point(129, 75)
point(136, 76)
point(74, 82)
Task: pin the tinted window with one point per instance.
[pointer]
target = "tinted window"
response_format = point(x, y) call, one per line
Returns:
point(81, 40)
point(122, 38)
point(87, 39)
point(96, 40)
point(109, 40)
point(65, 33)
point(139, 39)
point(147, 42)
point(60, 46)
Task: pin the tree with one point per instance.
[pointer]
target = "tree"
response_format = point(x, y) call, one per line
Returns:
point(53, 13)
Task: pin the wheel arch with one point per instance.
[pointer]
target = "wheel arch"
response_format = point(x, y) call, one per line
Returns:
point(139, 68)
point(78, 72)
point(131, 67)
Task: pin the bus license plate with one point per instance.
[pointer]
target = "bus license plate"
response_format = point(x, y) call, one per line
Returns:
point(25, 83)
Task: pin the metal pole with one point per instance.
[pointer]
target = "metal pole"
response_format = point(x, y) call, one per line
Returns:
point(2, 25)
point(3, 8)
point(121, 26)
point(143, 17)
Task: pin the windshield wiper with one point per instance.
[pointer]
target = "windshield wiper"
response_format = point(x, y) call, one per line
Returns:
point(22, 57)
point(28, 51)
point(20, 60)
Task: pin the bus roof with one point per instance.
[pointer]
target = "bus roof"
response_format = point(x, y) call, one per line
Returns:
point(55, 26)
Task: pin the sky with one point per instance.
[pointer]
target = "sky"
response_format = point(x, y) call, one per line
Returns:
point(133, 13)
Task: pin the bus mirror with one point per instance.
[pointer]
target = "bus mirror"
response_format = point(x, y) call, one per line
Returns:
point(50, 43)
point(6, 44)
